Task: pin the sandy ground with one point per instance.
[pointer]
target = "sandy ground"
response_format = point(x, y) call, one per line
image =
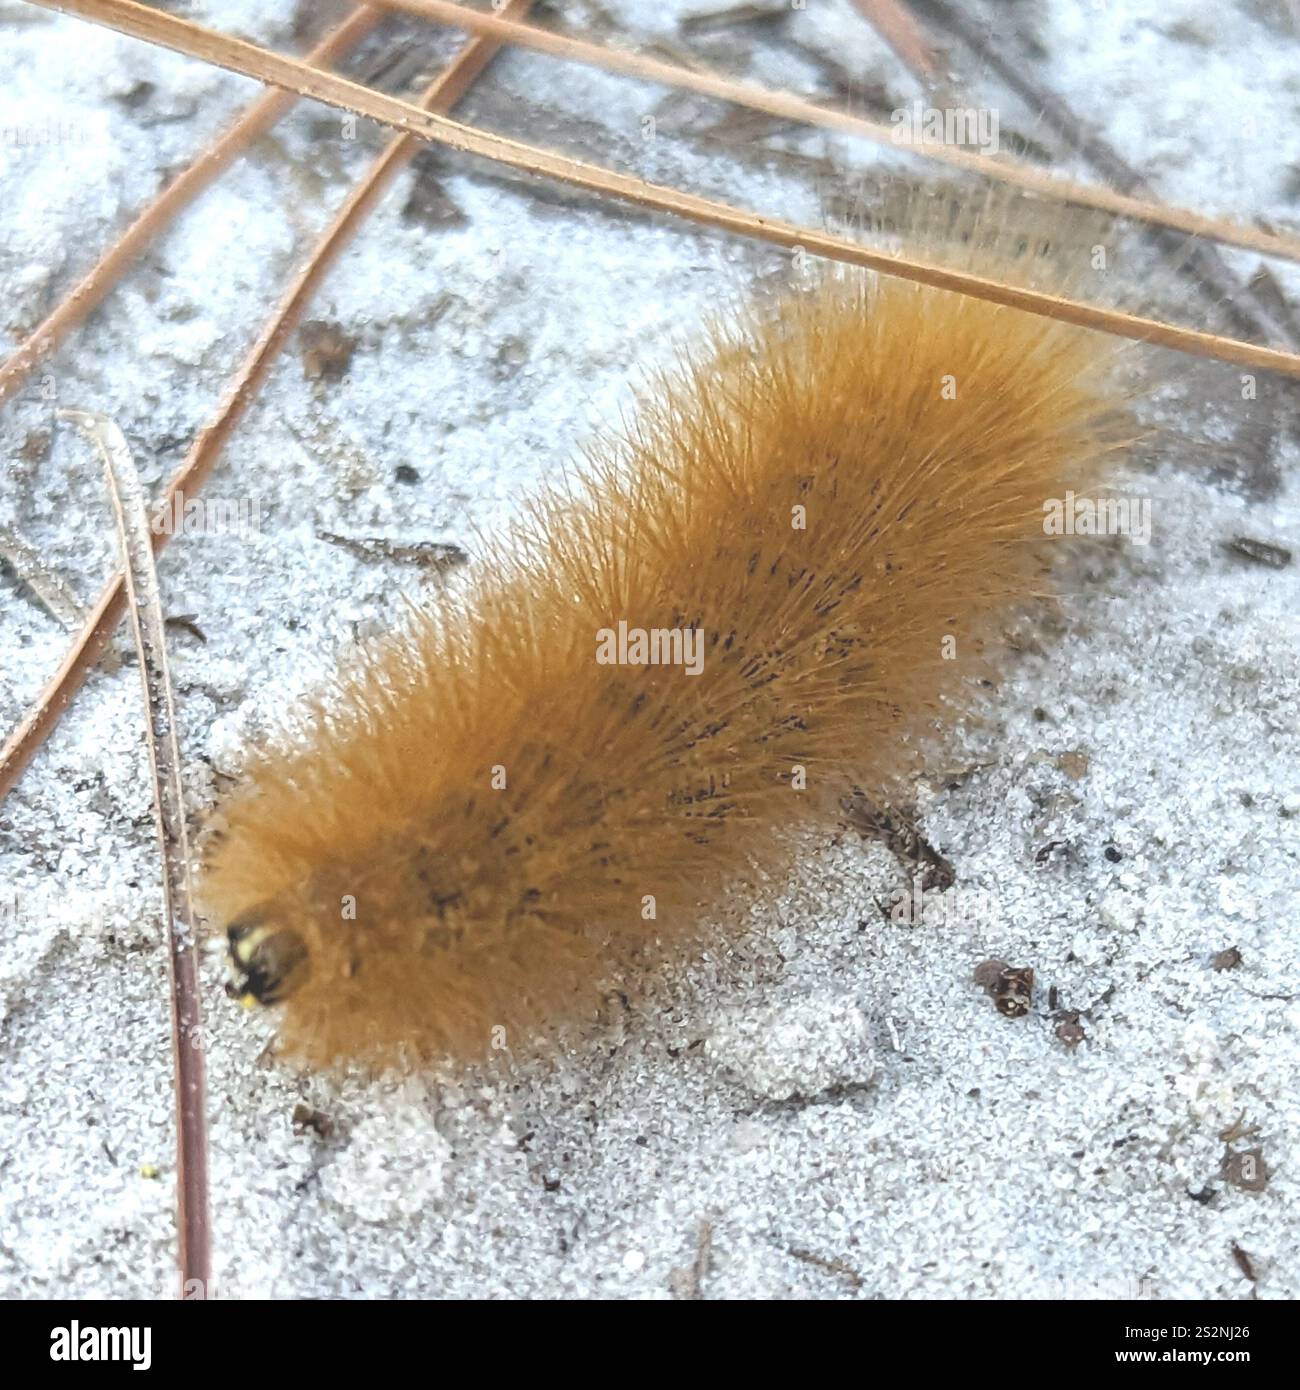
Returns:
point(829, 1106)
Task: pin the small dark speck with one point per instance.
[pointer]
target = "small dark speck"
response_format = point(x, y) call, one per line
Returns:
point(404, 473)
point(306, 1118)
point(1243, 1262)
point(137, 96)
point(1069, 1032)
point(1112, 854)
point(510, 356)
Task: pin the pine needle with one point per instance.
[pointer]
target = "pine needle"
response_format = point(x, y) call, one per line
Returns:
point(790, 107)
point(91, 290)
point(40, 720)
point(236, 55)
point(130, 508)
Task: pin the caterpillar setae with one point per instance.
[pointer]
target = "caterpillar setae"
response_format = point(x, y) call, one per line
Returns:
point(743, 605)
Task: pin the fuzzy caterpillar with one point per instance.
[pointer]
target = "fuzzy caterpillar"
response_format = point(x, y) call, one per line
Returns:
point(483, 818)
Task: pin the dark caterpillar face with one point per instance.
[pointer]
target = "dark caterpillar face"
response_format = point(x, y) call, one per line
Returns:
point(270, 962)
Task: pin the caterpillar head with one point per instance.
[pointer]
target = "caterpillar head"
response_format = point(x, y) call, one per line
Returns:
point(269, 961)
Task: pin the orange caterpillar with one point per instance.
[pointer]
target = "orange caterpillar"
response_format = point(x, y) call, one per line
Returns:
point(498, 804)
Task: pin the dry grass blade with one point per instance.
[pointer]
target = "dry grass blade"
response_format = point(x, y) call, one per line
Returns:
point(91, 290)
point(790, 107)
point(130, 509)
point(40, 720)
point(152, 26)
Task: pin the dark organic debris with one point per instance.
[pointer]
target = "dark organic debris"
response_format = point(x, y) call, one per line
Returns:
point(1227, 960)
point(326, 350)
point(896, 828)
point(1010, 987)
point(1069, 1029)
point(429, 204)
point(1276, 557)
point(1246, 1170)
point(187, 622)
point(430, 555)
point(712, 21)
point(305, 1118)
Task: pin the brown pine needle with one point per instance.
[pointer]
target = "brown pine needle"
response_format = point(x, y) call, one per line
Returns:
point(899, 29)
point(790, 107)
point(91, 290)
point(40, 720)
point(130, 507)
point(182, 36)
